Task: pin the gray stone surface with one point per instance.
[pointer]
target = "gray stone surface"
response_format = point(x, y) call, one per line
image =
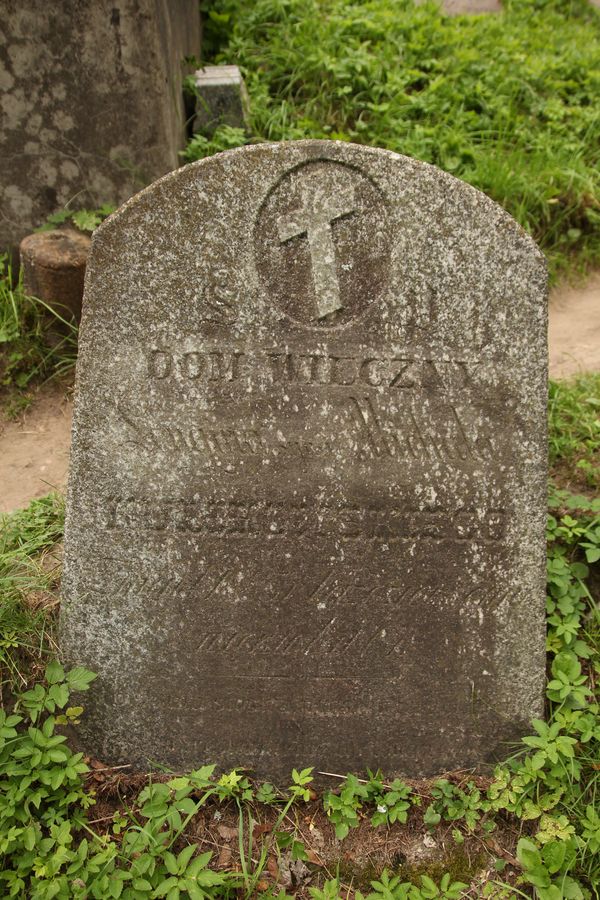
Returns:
point(307, 499)
point(90, 102)
point(222, 98)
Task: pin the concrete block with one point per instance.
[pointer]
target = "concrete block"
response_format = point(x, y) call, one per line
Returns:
point(222, 98)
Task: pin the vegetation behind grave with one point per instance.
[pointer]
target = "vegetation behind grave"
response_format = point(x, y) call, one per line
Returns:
point(509, 102)
point(72, 827)
point(36, 342)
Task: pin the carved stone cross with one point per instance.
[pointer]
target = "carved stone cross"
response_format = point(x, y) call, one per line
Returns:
point(319, 209)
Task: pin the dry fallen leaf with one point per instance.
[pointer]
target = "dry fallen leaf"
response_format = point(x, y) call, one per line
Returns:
point(224, 858)
point(273, 868)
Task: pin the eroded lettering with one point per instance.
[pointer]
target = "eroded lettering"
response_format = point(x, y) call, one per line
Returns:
point(275, 519)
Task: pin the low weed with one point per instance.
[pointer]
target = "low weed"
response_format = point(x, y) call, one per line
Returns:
point(225, 137)
point(391, 802)
point(83, 219)
point(29, 575)
point(574, 430)
point(31, 349)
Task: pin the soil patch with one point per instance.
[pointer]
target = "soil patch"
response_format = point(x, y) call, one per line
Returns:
point(408, 850)
point(34, 449)
point(574, 328)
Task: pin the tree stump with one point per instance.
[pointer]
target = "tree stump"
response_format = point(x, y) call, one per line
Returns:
point(53, 265)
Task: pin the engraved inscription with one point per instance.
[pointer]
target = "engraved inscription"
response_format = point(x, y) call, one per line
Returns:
point(313, 369)
point(275, 520)
point(361, 429)
point(448, 439)
point(317, 599)
point(193, 365)
point(314, 219)
point(219, 299)
point(363, 641)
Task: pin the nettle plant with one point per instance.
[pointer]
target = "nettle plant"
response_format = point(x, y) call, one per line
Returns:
point(83, 219)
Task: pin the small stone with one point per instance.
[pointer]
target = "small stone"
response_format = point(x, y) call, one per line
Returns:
point(222, 98)
point(53, 265)
point(422, 848)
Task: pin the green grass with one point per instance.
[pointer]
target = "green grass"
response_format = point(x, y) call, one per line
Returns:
point(509, 103)
point(29, 575)
point(36, 342)
point(574, 430)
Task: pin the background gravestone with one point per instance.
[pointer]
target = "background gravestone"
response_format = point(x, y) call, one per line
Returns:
point(307, 500)
point(91, 102)
point(221, 98)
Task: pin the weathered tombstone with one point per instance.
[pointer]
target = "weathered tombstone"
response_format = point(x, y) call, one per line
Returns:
point(307, 500)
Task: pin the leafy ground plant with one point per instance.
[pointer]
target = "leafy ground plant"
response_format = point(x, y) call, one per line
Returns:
point(524, 129)
point(83, 219)
point(574, 431)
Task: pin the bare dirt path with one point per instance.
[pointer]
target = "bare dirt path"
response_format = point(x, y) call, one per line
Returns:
point(34, 450)
point(574, 329)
